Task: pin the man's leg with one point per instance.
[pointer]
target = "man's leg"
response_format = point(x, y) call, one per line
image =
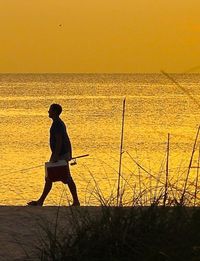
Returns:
point(46, 190)
point(73, 190)
point(72, 187)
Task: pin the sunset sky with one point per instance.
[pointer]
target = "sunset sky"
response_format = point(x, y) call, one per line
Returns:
point(97, 36)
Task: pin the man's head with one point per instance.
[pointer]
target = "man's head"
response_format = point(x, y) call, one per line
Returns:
point(55, 110)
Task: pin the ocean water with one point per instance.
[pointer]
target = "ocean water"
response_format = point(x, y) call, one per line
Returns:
point(92, 111)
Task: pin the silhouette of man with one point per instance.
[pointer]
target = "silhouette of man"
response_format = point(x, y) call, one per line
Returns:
point(61, 149)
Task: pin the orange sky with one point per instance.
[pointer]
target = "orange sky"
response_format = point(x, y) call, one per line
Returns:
point(98, 36)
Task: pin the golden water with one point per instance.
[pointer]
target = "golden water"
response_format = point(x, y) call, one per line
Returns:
point(92, 111)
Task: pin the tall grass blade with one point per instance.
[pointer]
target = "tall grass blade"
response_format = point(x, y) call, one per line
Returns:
point(189, 167)
point(197, 179)
point(119, 199)
point(167, 172)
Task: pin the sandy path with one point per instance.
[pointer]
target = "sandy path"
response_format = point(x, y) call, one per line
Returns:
point(20, 229)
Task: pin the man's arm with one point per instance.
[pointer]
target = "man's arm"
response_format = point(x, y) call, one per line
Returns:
point(55, 155)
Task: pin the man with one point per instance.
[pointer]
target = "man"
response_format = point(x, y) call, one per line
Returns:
point(61, 149)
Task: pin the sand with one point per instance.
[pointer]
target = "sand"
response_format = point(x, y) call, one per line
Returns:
point(20, 229)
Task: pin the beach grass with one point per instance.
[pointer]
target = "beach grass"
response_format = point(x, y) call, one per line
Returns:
point(125, 233)
point(156, 224)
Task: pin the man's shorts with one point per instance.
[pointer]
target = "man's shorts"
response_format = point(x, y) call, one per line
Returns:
point(65, 177)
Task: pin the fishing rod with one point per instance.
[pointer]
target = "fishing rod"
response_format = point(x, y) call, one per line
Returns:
point(77, 157)
point(73, 159)
point(38, 166)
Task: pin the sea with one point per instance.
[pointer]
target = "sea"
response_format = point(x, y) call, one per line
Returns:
point(153, 135)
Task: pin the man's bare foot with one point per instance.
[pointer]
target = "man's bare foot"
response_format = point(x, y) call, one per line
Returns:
point(34, 203)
